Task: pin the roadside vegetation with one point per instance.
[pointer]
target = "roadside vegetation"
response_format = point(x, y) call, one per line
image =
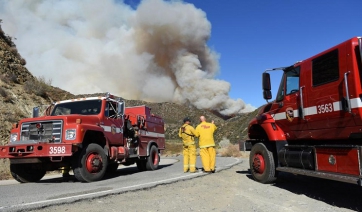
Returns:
point(5, 169)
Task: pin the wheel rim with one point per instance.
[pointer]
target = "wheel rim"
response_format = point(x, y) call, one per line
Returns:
point(94, 163)
point(258, 163)
point(155, 158)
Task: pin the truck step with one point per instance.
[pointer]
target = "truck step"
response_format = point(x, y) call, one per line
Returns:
point(324, 175)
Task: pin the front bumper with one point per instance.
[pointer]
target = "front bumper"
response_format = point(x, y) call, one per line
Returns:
point(37, 150)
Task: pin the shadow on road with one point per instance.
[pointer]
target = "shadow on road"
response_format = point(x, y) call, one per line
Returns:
point(339, 194)
point(121, 171)
point(334, 193)
point(247, 174)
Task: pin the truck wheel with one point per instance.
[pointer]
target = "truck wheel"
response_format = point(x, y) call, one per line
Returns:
point(153, 159)
point(141, 165)
point(262, 165)
point(91, 164)
point(26, 173)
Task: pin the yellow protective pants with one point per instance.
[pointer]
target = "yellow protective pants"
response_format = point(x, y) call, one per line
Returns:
point(208, 158)
point(189, 153)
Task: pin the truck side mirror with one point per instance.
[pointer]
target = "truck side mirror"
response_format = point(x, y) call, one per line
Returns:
point(266, 86)
point(120, 111)
point(266, 81)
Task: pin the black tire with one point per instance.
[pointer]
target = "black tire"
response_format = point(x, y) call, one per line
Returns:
point(153, 159)
point(26, 173)
point(112, 167)
point(262, 164)
point(141, 165)
point(90, 164)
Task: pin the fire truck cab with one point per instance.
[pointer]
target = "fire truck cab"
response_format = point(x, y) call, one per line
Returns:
point(314, 125)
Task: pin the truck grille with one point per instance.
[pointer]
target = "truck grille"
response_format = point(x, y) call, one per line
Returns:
point(49, 131)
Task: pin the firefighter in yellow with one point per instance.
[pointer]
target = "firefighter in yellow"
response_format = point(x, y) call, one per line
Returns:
point(205, 132)
point(187, 133)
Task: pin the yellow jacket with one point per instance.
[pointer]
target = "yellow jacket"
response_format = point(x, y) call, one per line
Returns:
point(187, 137)
point(205, 132)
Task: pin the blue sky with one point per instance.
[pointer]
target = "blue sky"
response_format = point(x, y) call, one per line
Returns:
point(253, 35)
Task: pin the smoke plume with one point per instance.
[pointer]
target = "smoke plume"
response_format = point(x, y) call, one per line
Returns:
point(157, 52)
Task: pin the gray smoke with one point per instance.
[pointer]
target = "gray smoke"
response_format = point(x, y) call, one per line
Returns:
point(157, 52)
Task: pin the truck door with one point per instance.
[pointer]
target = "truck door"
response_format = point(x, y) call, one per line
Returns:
point(288, 100)
point(113, 124)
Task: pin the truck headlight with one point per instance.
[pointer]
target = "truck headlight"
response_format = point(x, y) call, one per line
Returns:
point(13, 137)
point(70, 134)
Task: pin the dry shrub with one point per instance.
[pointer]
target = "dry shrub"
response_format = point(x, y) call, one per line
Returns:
point(5, 169)
point(173, 148)
point(14, 50)
point(3, 77)
point(232, 150)
point(23, 61)
point(19, 114)
point(12, 116)
point(13, 78)
point(9, 78)
point(3, 92)
point(39, 86)
point(224, 143)
point(7, 97)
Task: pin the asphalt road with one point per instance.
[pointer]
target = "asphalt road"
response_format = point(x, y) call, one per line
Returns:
point(53, 189)
point(231, 190)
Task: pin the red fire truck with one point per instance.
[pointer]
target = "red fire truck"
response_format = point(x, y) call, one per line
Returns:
point(90, 135)
point(314, 125)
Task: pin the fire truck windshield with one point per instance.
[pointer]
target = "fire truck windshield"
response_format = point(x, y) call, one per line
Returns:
point(87, 107)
